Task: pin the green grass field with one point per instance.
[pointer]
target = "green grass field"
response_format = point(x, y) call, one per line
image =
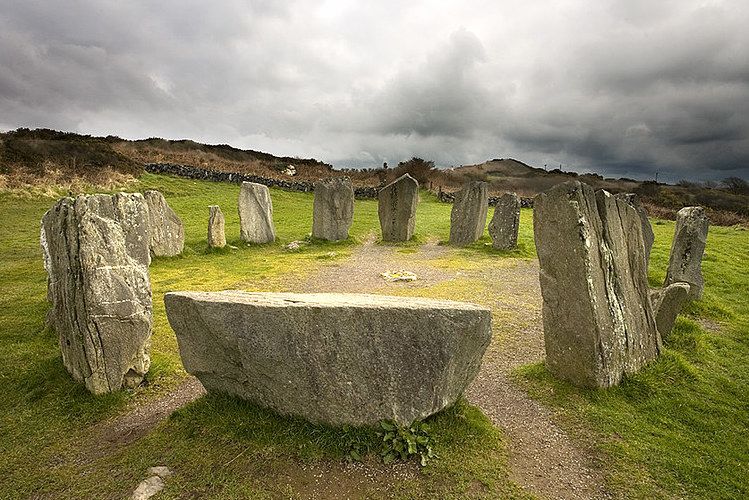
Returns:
point(680, 428)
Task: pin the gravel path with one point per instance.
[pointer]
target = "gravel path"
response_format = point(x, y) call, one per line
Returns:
point(543, 459)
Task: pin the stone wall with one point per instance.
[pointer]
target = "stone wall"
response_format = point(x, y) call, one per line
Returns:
point(191, 172)
point(450, 197)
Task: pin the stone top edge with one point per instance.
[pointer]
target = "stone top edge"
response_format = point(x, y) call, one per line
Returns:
point(358, 300)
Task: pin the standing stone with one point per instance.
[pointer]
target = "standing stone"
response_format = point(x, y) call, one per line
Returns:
point(667, 304)
point(597, 316)
point(397, 208)
point(334, 358)
point(333, 209)
point(685, 263)
point(648, 237)
point(468, 215)
point(505, 223)
point(216, 233)
point(165, 229)
point(96, 253)
point(256, 213)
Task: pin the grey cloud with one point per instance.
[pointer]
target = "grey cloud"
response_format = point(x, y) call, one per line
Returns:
point(626, 88)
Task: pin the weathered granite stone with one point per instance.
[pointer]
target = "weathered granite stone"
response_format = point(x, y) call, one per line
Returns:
point(333, 209)
point(216, 233)
point(96, 253)
point(333, 358)
point(256, 213)
point(648, 237)
point(165, 229)
point(397, 208)
point(505, 223)
point(598, 320)
point(685, 262)
point(468, 215)
point(667, 304)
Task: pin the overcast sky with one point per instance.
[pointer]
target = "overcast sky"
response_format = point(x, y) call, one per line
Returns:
point(624, 88)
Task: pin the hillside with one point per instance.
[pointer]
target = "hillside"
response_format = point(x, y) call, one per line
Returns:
point(44, 157)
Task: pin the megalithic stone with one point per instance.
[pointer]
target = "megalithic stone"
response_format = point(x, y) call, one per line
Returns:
point(648, 237)
point(667, 304)
point(598, 321)
point(335, 358)
point(397, 208)
point(256, 213)
point(505, 223)
point(165, 229)
point(96, 253)
point(333, 209)
point(216, 231)
point(468, 215)
point(690, 238)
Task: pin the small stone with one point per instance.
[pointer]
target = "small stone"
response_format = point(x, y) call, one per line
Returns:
point(161, 471)
point(148, 488)
point(256, 213)
point(397, 208)
point(401, 275)
point(333, 209)
point(468, 215)
point(667, 304)
point(505, 223)
point(216, 223)
point(687, 249)
point(165, 229)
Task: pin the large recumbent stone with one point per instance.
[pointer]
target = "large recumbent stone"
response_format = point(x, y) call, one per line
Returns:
point(333, 358)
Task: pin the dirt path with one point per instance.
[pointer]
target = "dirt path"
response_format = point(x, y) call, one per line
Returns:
point(543, 459)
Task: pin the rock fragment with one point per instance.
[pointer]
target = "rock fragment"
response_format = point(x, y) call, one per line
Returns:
point(216, 230)
point(598, 321)
point(96, 250)
point(468, 215)
point(667, 304)
point(333, 209)
point(687, 249)
point(648, 237)
point(397, 208)
point(333, 358)
point(256, 213)
point(505, 223)
point(165, 229)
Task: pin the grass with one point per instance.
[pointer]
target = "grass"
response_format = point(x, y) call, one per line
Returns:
point(679, 428)
point(218, 446)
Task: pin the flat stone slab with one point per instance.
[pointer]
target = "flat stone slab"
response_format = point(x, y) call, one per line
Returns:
point(333, 358)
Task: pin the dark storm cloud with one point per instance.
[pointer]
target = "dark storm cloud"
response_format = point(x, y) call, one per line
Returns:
point(625, 88)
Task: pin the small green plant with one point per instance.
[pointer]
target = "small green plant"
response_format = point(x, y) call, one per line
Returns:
point(401, 442)
point(356, 443)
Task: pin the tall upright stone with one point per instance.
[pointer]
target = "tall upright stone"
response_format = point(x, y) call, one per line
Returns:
point(468, 215)
point(505, 223)
point(165, 229)
point(216, 232)
point(690, 238)
point(598, 321)
point(648, 237)
point(397, 208)
point(333, 209)
point(96, 253)
point(256, 213)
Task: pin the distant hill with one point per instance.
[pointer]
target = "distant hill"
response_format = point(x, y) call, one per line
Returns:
point(48, 157)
